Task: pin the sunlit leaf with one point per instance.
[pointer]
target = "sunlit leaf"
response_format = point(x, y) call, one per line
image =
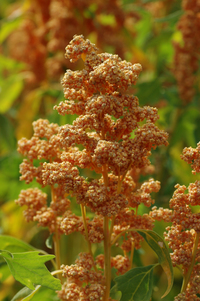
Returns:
point(29, 269)
point(14, 245)
point(8, 27)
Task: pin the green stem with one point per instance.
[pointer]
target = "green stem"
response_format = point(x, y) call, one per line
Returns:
point(186, 278)
point(107, 258)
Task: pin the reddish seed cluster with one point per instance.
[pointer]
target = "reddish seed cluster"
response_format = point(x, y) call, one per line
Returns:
point(95, 230)
point(108, 117)
point(183, 235)
point(43, 145)
point(82, 272)
point(127, 219)
point(48, 25)
point(192, 156)
point(34, 199)
point(71, 223)
point(186, 55)
point(119, 262)
point(193, 287)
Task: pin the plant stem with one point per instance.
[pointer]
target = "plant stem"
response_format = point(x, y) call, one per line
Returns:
point(111, 226)
point(107, 258)
point(107, 244)
point(186, 278)
point(132, 253)
point(56, 239)
point(83, 211)
point(116, 238)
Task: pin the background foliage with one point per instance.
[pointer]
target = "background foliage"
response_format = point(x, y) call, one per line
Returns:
point(33, 36)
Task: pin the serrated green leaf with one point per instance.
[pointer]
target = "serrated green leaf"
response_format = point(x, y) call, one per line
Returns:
point(29, 269)
point(136, 284)
point(158, 245)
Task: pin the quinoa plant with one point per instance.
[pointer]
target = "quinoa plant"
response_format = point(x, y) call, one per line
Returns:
point(111, 139)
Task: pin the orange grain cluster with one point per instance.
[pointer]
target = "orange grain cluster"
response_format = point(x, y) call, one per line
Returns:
point(48, 25)
point(116, 137)
point(183, 235)
point(187, 53)
point(79, 274)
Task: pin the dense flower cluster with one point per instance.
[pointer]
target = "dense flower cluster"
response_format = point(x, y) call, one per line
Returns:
point(192, 156)
point(81, 273)
point(183, 235)
point(112, 137)
point(187, 53)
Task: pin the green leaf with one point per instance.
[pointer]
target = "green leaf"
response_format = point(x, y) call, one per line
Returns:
point(15, 245)
point(11, 87)
point(43, 294)
point(4, 271)
point(40, 293)
point(149, 91)
point(24, 292)
point(174, 16)
point(49, 241)
point(158, 245)
point(10, 65)
point(8, 27)
point(30, 296)
point(7, 138)
point(29, 269)
point(136, 284)
point(115, 293)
